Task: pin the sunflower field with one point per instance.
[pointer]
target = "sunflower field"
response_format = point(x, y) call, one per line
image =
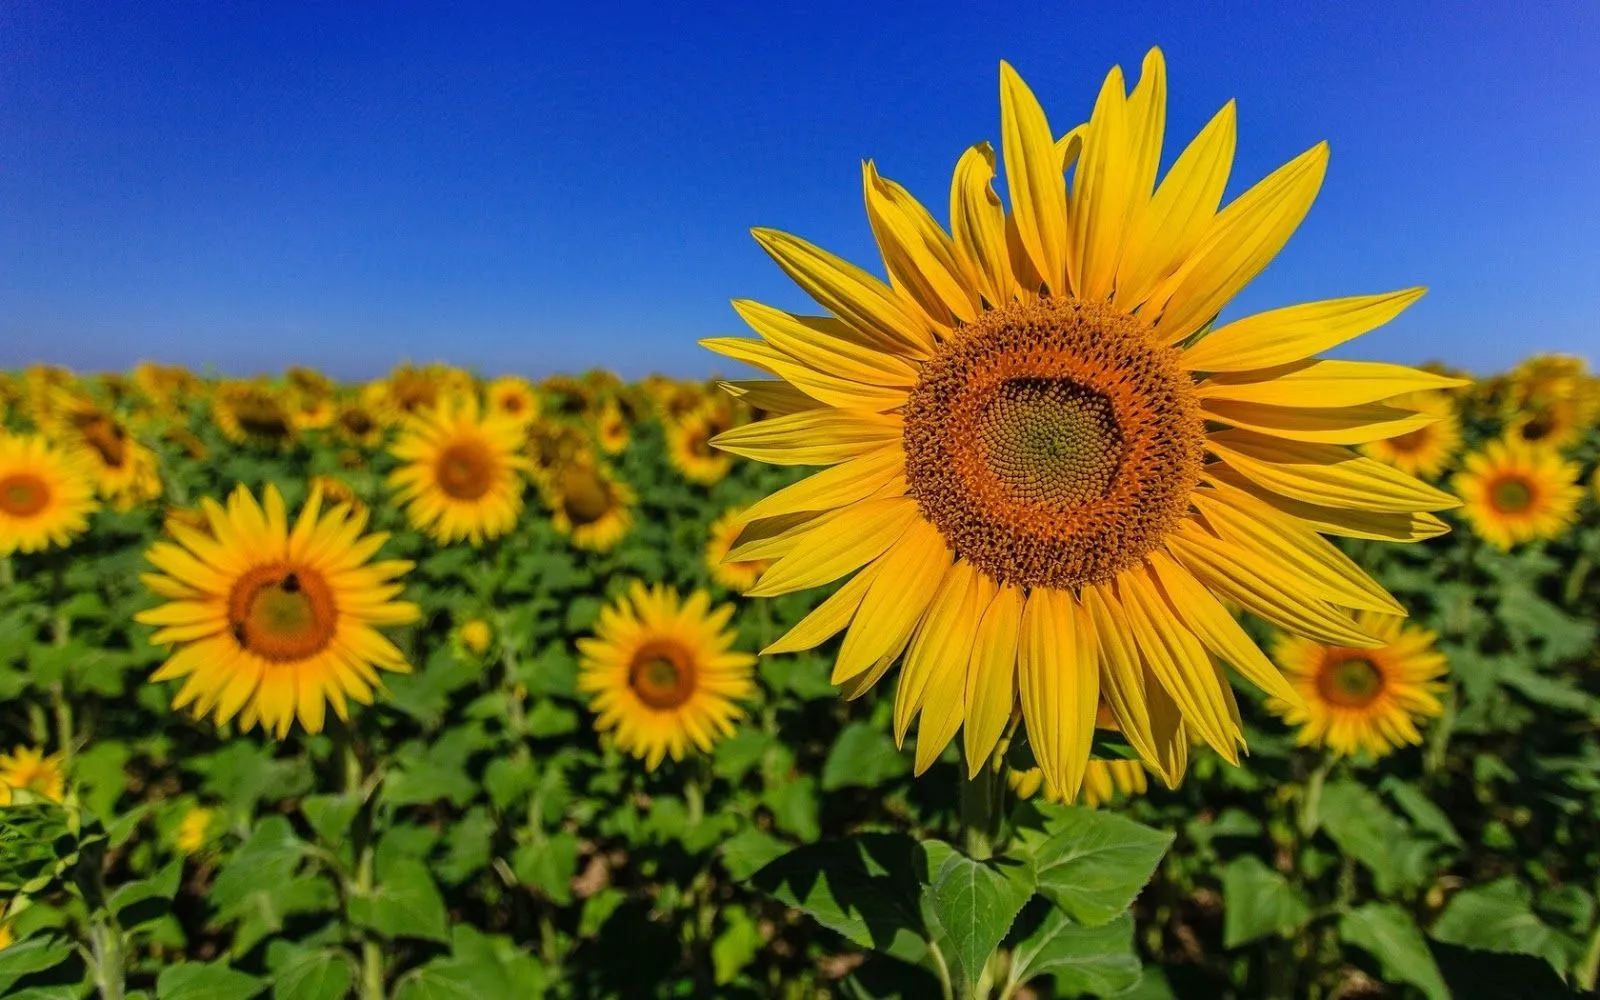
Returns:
point(1175, 663)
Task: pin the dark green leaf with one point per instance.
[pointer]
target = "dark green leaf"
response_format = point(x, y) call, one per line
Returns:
point(863, 756)
point(1258, 902)
point(1082, 960)
point(1390, 935)
point(975, 903)
point(1089, 863)
point(198, 981)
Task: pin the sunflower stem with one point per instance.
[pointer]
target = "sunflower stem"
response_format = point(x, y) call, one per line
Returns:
point(980, 813)
point(8, 575)
point(361, 884)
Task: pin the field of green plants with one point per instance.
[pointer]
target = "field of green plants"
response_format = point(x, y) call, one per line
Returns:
point(472, 834)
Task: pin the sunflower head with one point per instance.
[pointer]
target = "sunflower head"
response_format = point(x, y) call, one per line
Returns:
point(475, 635)
point(125, 471)
point(1049, 462)
point(46, 494)
point(461, 475)
point(194, 830)
point(1368, 698)
point(589, 504)
point(735, 575)
point(690, 449)
point(1513, 492)
point(662, 674)
point(271, 621)
point(512, 397)
point(29, 770)
point(611, 428)
point(253, 413)
point(1426, 451)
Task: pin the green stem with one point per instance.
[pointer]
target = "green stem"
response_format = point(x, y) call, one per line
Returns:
point(362, 885)
point(60, 633)
point(947, 989)
point(1574, 587)
point(980, 802)
point(1588, 970)
point(1311, 804)
point(105, 945)
point(8, 575)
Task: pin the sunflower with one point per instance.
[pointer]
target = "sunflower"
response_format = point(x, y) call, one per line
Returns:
point(357, 424)
point(1551, 400)
point(252, 413)
point(194, 830)
point(126, 473)
point(1515, 492)
point(689, 445)
point(550, 445)
point(462, 476)
point(611, 428)
point(272, 622)
point(662, 673)
point(336, 491)
point(46, 495)
point(312, 412)
point(1425, 451)
point(513, 398)
point(566, 396)
point(475, 636)
point(736, 576)
point(411, 390)
point(1362, 698)
point(589, 505)
point(1103, 781)
point(1019, 424)
point(28, 770)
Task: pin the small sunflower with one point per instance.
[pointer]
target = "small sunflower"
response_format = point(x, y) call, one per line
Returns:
point(736, 576)
point(272, 621)
point(1048, 460)
point(1426, 451)
point(611, 428)
point(126, 473)
point(309, 412)
point(194, 830)
point(357, 424)
point(1514, 492)
point(551, 445)
point(336, 491)
point(462, 473)
point(252, 413)
point(1103, 781)
point(1551, 400)
point(589, 505)
point(690, 450)
point(1355, 699)
point(475, 636)
point(513, 398)
point(46, 495)
point(662, 673)
point(565, 396)
point(28, 770)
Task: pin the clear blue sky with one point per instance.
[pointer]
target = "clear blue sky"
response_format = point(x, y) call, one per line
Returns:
point(249, 185)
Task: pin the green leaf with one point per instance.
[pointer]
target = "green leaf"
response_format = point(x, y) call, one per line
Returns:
point(1487, 975)
point(198, 981)
point(1427, 817)
point(794, 807)
point(863, 756)
point(736, 947)
point(1390, 935)
point(975, 903)
point(747, 851)
point(478, 967)
point(268, 859)
point(866, 887)
point(740, 753)
point(36, 954)
point(330, 816)
point(1258, 902)
point(1499, 917)
point(406, 903)
point(140, 903)
point(1099, 960)
point(1364, 828)
point(315, 975)
point(549, 719)
point(548, 864)
point(1091, 864)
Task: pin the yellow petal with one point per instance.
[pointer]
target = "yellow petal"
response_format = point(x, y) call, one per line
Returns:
point(1241, 241)
point(978, 224)
point(1383, 526)
point(849, 293)
point(824, 387)
point(845, 483)
point(918, 254)
point(992, 677)
point(817, 437)
point(772, 396)
point(934, 678)
point(773, 537)
point(1172, 225)
point(1325, 474)
point(827, 345)
point(829, 617)
point(1033, 176)
point(1294, 333)
point(1058, 680)
point(840, 545)
point(1322, 383)
point(1146, 125)
point(1323, 425)
point(909, 575)
point(1100, 194)
point(1122, 683)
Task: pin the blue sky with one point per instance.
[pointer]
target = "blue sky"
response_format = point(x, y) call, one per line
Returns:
point(250, 185)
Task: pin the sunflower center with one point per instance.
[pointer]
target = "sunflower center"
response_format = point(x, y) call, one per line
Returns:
point(465, 470)
point(585, 498)
point(662, 674)
point(1541, 426)
point(23, 494)
point(1053, 443)
point(282, 613)
point(107, 439)
point(1510, 495)
point(1350, 680)
point(261, 417)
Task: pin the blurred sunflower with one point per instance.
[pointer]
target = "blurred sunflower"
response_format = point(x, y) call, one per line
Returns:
point(270, 621)
point(550, 445)
point(250, 413)
point(1514, 492)
point(336, 491)
point(355, 423)
point(565, 396)
point(513, 398)
point(1103, 781)
point(689, 446)
point(410, 390)
point(1370, 698)
point(46, 495)
point(1425, 451)
point(462, 472)
point(611, 428)
point(126, 473)
point(1019, 425)
point(475, 636)
point(194, 830)
point(589, 505)
point(29, 770)
point(165, 385)
point(662, 673)
point(736, 576)
point(1551, 400)
point(312, 412)
point(186, 439)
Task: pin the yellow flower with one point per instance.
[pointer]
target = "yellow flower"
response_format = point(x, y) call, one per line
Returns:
point(462, 474)
point(476, 635)
point(248, 413)
point(46, 496)
point(1551, 400)
point(662, 673)
point(611, 428)
point(513, 398)
point(31, 771)
point(737, 576)
point(1354, 699)
point(336, 491)
point(551, 445)
point(1103, 781)
point(1425, 451)
point(272, 622)
point(690, 450)
point(312, 412)
point(1024, 465)
point(1514, 492)
point(194, 830)
point(357, 424)
point(589, 505)
point(6, 940)
point(126, 473)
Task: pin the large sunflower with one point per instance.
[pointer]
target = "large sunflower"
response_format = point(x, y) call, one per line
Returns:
point(1514, 492)
point(1019, 426)
point(272, 621)
point(1425, 451)
point(462, 476)
point(663, 673)
point(1362, 698)
point(46, 495)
